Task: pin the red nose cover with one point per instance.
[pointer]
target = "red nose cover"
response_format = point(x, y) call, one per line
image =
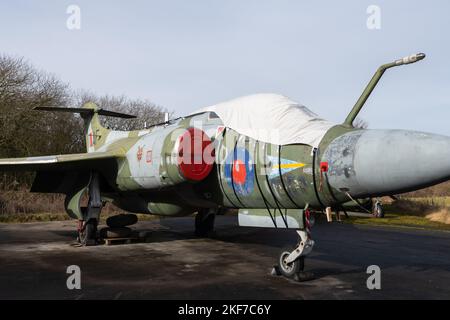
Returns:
point(195, 154)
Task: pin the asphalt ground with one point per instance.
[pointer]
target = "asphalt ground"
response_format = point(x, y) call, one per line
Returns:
point(235, 264)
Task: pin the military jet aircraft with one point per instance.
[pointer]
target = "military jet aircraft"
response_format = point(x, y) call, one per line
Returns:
point(266, 155)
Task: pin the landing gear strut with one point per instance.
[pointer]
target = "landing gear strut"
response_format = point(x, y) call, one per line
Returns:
point(291, 263)
point(204, 222)
point(87, 233)
point(378, 210)
point(87, 228)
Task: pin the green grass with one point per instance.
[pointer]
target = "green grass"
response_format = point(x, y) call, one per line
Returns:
point(34, 217)
point(400, 220)
point(433, 201)
point(409, 212)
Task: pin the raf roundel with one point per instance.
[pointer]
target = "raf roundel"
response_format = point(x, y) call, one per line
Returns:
point(239, 172)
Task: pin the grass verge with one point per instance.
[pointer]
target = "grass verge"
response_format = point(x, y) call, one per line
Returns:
point(425, 213)
point(400, 220)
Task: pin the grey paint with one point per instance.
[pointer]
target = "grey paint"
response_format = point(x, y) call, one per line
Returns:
point(380, 162)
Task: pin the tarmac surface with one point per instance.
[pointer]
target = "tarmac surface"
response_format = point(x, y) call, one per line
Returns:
point(235, 264)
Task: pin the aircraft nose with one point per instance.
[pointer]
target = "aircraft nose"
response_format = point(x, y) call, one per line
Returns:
point(381, 162)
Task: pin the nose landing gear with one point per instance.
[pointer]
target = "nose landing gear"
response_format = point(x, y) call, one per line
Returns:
point(291, 262)
point(290, 269)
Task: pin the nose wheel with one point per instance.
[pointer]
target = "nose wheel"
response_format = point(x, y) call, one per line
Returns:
point(290, 269)
point(291, 262)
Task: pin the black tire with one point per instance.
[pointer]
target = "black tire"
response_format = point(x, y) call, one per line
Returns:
point(88, 236)
point(378, 210)
point(204, 223)
point(121, 232)
point(121, 220)
point(290, 270)
point(144, 235)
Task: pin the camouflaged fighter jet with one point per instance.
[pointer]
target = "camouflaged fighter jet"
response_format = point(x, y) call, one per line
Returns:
point(264, 154)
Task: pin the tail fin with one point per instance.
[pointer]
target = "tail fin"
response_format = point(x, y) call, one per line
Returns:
point(94, 132)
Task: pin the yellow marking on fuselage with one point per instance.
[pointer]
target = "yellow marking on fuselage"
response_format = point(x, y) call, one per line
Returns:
point(288, 165)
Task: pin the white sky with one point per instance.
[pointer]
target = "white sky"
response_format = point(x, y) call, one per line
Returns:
point(184, 55)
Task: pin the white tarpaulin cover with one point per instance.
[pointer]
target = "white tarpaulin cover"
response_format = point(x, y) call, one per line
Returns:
point(272, 118)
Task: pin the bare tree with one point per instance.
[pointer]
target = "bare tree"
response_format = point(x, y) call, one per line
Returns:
point(146, 111)
point(24, 132)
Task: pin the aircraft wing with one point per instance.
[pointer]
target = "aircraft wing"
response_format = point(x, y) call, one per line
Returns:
point(66, 162)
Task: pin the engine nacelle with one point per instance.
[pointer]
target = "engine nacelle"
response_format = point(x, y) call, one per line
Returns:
point(191, 156)
point(166, 157)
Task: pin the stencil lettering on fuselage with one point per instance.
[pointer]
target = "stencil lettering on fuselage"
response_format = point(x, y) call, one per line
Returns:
point(145, 171)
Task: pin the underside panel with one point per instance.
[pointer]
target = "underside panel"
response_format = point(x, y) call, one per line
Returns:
point(284, 219)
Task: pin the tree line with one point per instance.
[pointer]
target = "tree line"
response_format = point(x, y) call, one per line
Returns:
point(24, 132)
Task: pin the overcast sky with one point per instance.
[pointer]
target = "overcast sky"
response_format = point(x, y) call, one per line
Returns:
point(184, 55)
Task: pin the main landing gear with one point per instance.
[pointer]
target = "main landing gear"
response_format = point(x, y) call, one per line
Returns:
point(378, 210)
point(204, 222)
point(87, 228)
point(87, 232)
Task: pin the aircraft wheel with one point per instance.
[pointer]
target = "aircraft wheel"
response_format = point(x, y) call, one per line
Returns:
point(116, 232)
point(293, 268)
point(121, 220)
point(378, 210)
point(88, 236)
point(204, 223)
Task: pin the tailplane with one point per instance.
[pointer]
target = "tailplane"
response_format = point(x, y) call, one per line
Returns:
point(93, 130)
point(88, 109)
